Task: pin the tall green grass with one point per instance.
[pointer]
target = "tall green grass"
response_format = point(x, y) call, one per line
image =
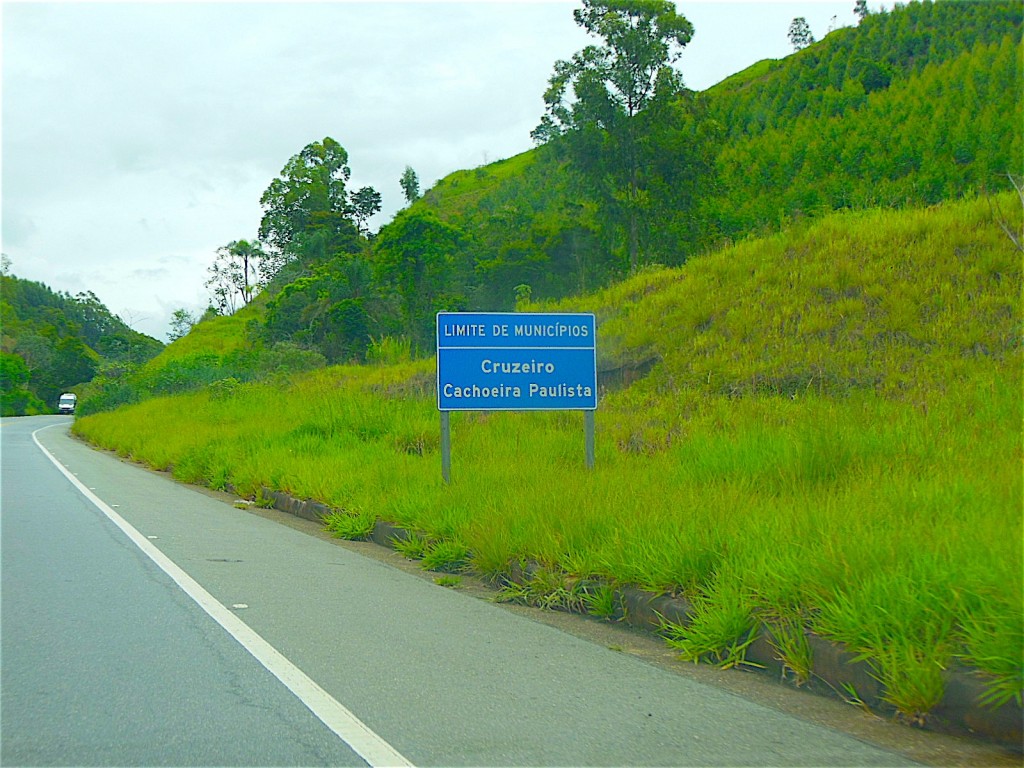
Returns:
point(831, 440)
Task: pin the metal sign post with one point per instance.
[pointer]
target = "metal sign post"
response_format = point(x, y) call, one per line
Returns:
point(515, 361)
point(588, 428)
point(446, 446)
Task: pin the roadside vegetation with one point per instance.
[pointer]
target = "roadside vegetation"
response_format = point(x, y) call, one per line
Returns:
point(807, 282)
point(822, 433)
point(51, 343)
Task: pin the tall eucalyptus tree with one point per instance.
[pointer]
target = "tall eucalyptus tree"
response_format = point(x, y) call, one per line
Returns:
point(597, 98)
point(308, 213)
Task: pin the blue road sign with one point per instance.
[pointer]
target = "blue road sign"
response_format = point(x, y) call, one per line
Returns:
point(516, 361)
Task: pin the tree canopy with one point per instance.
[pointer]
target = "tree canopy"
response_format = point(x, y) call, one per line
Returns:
point(612, 85)
point(641, 39)
point(308, 213)
point(53, 342)
point(240, 269)
point(410, 184)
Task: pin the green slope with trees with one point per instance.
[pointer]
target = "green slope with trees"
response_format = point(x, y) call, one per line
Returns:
point(797, 456)
point(808, 306)
point(55, 342)
point(910, 107)
point(818, 131)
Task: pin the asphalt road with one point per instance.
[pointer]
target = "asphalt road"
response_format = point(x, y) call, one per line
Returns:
point(195, 633)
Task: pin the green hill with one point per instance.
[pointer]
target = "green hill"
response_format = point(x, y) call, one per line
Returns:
point(810, 412)
point(55, 342)
point(218, 351)
point(828, 132)
point(828, 439)
point(898, 303)
point(909, 108)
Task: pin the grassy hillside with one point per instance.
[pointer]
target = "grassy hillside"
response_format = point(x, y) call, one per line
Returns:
point(829, 439)
point(911, 107)
point(902, 304)
point(219, 351)
point(908, 108)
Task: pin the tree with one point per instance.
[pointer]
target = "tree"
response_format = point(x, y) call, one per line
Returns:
point(307, 213)
point(800, 35)
point(182, 321)
point(75, 363)
point(410, 185)
point(14, 374)
point(364, 203)
point(860, 10)
point(612, 84)
point(873, 75)
point(15, 397)
point(642, 39)
point(413, 257)
point(329, 310)
point(93, 317)
point(236, 271)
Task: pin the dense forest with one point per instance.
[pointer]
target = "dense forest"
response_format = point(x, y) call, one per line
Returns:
point(911, 108)
point(55, 342)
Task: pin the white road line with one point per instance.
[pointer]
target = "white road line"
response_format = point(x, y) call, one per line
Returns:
point(349, 728)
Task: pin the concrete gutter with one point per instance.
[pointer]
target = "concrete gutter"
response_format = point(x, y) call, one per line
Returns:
point(835, 671)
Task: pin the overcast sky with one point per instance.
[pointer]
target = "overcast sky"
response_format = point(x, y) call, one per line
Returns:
point(137, 138)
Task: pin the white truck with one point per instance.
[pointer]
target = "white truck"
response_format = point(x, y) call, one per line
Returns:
point(66, 404)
